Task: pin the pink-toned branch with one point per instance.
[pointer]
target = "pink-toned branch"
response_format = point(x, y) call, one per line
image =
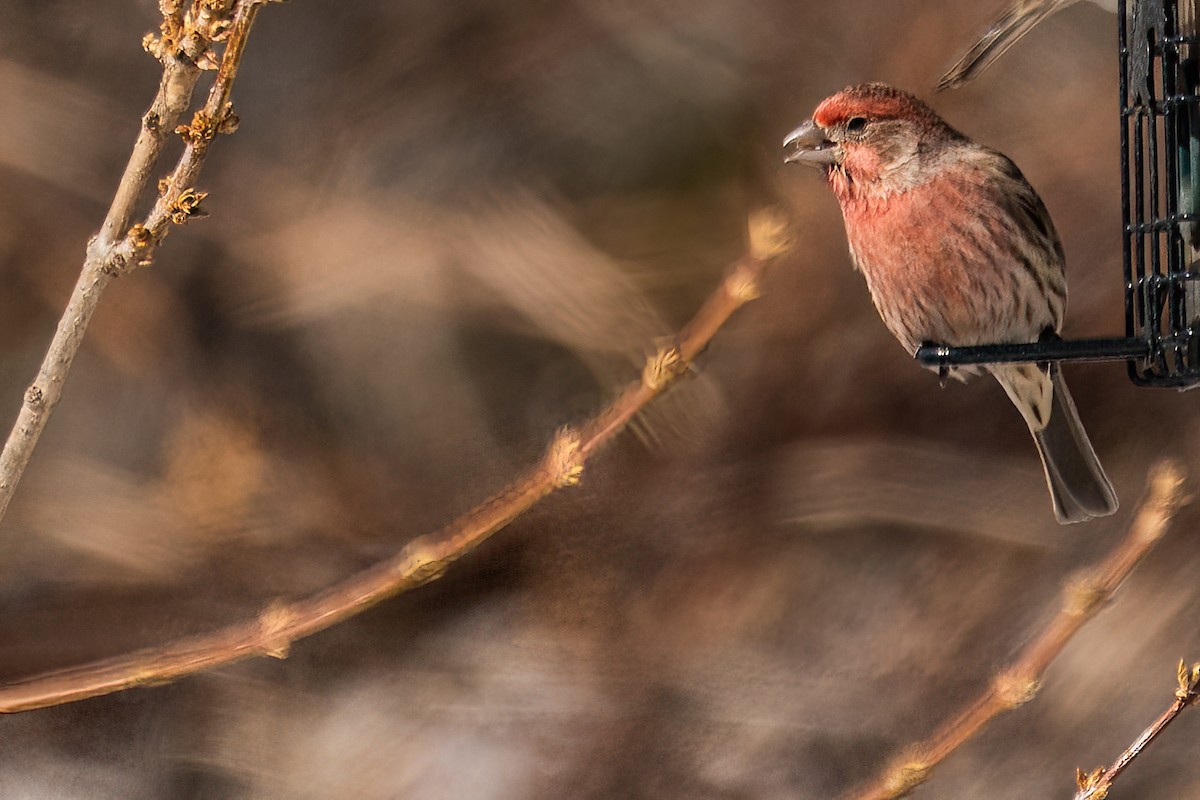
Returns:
point(427, 557)
point(1018, 683)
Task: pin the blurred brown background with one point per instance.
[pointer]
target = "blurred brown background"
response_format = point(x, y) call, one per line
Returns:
point(443, 230)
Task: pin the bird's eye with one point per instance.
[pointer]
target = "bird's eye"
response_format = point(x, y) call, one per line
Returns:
point(856, 125)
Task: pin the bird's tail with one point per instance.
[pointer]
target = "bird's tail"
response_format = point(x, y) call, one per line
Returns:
point(1078, 486)
point(1004, 32)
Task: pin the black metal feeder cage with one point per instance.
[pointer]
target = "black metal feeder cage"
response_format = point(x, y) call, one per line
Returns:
point(1160, 196)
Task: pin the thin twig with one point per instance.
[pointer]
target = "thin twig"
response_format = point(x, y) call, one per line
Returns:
point(1017, 684)
point(184, 48)
point(427, 557)
point(1096, 784)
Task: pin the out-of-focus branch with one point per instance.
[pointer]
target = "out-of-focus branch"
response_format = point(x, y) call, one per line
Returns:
point(1096, 784)
point(1016, 685)
point(184, 48)
point(426, 557)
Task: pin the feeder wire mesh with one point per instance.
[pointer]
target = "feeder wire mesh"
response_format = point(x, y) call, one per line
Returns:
point(1160, 192)
point(1160, 180)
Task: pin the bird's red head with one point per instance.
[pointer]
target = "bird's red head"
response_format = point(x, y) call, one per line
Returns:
point(872, 101)
point(865, 136)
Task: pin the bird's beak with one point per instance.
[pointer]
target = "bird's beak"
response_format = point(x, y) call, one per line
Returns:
point(808, 145)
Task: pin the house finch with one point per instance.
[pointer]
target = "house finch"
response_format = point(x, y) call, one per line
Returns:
point(956, 248)
point(1016, 21)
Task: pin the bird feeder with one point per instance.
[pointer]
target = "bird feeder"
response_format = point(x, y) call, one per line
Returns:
point(1160, 201)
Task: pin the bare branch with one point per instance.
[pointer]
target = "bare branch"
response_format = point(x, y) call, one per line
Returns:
point(183, 47)
point(1016, 685)
point(1096, 784)
point(427, 557)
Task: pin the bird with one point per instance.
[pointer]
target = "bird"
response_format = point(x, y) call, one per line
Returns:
point(1013, 23)
point(956, 248)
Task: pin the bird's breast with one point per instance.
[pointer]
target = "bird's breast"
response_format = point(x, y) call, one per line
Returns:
point(944, 262)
